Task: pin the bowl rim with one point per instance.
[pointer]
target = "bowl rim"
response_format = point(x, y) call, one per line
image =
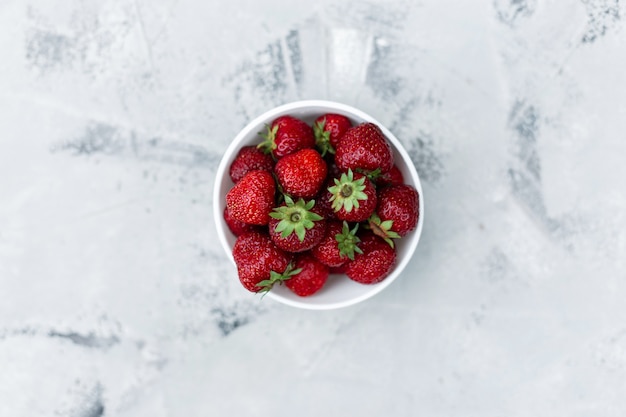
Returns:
point(332, 106)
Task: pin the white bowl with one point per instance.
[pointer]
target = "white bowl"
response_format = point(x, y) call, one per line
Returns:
point(339, 291)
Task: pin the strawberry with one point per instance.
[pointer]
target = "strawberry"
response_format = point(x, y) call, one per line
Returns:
point(353, 197)
point(392, 177)
point(328, 130)
point(287, 135)
point(364, 148)
point(341, 269)
point(322, 200)
point(296, 226)
point(238, 227)
point(397, 212)
point(302, 173)
point(311, 277)
point(260, 264)
point(252, 198)
point(250, 158)
point(374, 263)
point(338, 245)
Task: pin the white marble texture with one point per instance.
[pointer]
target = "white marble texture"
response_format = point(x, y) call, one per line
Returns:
point(117, 299)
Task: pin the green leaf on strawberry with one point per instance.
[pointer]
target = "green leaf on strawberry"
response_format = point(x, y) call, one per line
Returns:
point(322, 138)
point(347, 241)
point(277, 278)
point(347, 192)
point(269, 139)
point(295, 217)
point(382, 229)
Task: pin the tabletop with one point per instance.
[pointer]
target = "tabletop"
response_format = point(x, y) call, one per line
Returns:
point(118, 300)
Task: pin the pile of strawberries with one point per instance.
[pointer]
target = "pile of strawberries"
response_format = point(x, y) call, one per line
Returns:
point(309, 201)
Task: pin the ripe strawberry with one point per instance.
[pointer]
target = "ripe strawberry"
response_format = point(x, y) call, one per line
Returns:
point(333, 170)
point(252, 198)
point(392, 177)
point(296, 227)
point(302, 173)
point(374, 264)
point(260, 264)
point(238, 227)
point(287, 135)
point(328, 130)
point(364, 148)
point(322, 200)
point(341, 269)
point(311, 278)
point(397, 212)
point(338, 245)
point(249, 158)
point(353, 197)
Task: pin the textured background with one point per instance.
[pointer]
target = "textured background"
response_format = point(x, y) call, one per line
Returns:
point(117, 299)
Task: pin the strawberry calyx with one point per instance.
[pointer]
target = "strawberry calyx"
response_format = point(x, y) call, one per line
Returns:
point(269, 143)
point(371, 175)
point(322, 138)
point(277, 278)
point(295, 217)
point(382, 229)
point(347, 241)
point(347, 192)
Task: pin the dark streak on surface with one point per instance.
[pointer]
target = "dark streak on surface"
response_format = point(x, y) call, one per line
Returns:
point(45, 50)
point(97, 138)
point(509, 11)
point(89, 340)
point(524, 120)
point(229, 320)
point(525, 172)
point(95, 410)
point(261, 80)
point(525, 175)
point(295, 55)
point(100, 138)
point(602, 15)
point(92, 405)
point(426, 161)
point(379, 72)
point(84, 44)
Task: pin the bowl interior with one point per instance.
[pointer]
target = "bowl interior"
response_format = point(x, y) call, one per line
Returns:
point(339, 291)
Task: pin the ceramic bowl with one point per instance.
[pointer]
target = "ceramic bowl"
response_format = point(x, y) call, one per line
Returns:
point(339, 291)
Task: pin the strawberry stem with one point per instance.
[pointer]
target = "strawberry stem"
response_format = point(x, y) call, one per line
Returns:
point(295, 217)
point(347, 241)
point(277, 278)
point(382, 229)
point(322, 138)
point(347, 192)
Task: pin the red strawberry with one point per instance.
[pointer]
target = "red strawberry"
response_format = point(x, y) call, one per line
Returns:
point(338, 245)
point(296, 227)
point(252, 198)
point(393, 177)
point(364, 148)
point(250, 158)
point(287, 135)
point(311, 277)
point(302, 173)
point(237, 227)
point(333, 170)
point(323, 202)
point(259, 262)
point(397, 212)
point(353, 197)
point(375, 263)
point(328, 130)
point(341, 269)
